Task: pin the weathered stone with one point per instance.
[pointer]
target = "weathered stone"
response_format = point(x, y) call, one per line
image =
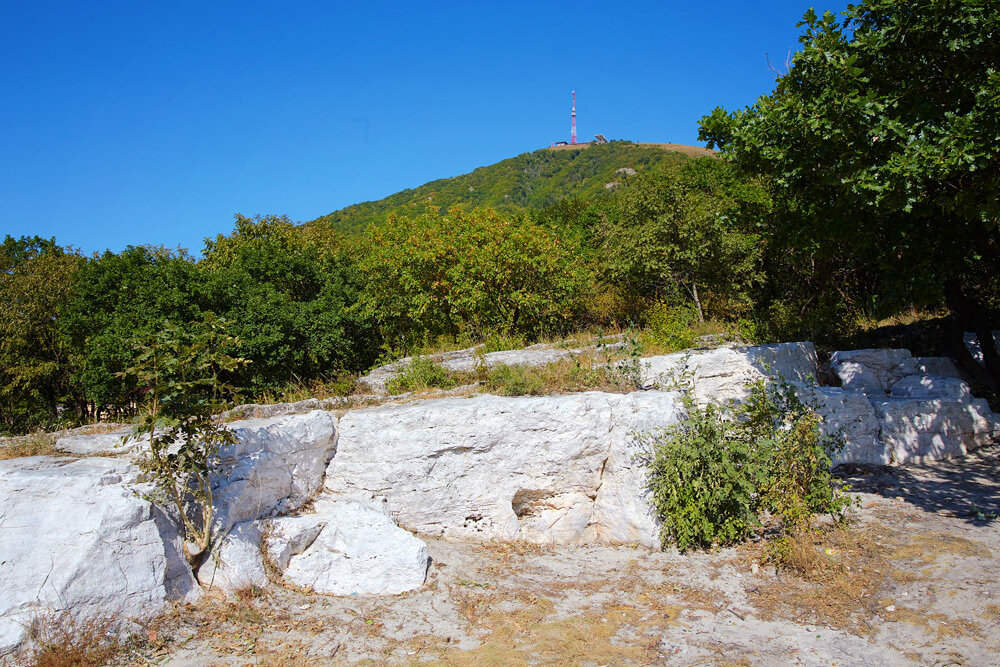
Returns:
point(76, 537)
point(930, 429)
point(499, 468)
point(850, 415)
point(726, 373)
point(112, 444)
point(939, 366)
point(358, 550)
point(289, 536)
point(930, 386)
point(236, 563)
point(276, 466)
point(872, 372)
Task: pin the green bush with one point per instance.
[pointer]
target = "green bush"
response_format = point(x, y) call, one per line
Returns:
point(672, 326)
point(506, 380)
point(422, 373)
point(714, 476)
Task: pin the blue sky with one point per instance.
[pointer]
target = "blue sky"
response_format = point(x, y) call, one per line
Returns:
point(127, 123)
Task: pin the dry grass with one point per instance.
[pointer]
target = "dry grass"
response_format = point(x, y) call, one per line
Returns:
point(831, 575)
point(928, 548)
point(59, 640)
point(35, 444)
point(942, 626)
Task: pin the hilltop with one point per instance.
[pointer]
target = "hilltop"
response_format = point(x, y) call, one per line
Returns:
point(530, 180)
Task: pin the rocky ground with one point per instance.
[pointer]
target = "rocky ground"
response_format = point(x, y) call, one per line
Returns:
point(912, 580)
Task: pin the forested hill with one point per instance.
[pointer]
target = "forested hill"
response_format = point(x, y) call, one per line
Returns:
point(530, 180)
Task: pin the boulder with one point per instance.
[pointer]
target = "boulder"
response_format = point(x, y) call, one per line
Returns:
point(347, 548)
point(939, 366)
point(112, 444)
point(872, 372)
point(494, 467)
point(77, 538)
point(930, 386)
point(919, 429)
point(725, 373)
point(236, 563)
point(850, 415)
point(276, 466)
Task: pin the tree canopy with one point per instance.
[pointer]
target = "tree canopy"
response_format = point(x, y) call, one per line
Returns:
point(884, 138)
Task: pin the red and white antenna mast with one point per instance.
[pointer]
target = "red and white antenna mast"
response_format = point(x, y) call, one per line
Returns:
point(572, 132)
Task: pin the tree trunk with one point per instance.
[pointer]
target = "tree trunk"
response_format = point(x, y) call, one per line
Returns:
point(697, 302)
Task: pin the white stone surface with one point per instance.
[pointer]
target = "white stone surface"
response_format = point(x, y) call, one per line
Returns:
point(75, 537)
point(236, 563)
point(276, 467)
point(357, 550)
point(725, 373)
point(872, 371)
point(931, 429)
point(930, 386)
point(849, 414)
point(113, 444)
point(496, 467)
point(939, 366)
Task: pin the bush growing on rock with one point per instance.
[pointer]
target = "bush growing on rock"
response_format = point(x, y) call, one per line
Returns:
point(181, 370)
point(715, 475)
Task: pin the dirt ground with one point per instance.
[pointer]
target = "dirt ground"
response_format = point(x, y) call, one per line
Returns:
point(912, 580)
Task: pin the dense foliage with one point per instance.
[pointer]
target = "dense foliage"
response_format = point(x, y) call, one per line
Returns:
point(481, 271)
point(531, 180)
point(882, 144)
point(715, 475)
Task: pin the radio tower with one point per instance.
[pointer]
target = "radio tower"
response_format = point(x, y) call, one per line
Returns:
point(572, 132)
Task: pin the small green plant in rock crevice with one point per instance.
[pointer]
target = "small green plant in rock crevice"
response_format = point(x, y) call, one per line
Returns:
point(181, 369)
point(715, 476)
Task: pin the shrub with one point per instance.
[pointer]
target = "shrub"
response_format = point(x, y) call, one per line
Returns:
point(717, 474)
point(422, 373)
point(671, 326)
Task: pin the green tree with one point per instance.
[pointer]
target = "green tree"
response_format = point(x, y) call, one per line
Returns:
point(288, 295)
point(881, 143)
point(677, 232)
point(180, 370)
point(36, 280)
point(477, 271)
point(117, 297)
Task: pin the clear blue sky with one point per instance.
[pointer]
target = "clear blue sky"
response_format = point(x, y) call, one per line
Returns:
point(127, 123)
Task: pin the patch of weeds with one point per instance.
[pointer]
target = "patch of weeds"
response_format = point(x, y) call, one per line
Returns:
point(421, 374)
point(499, 342)
point(980, 515)
point(506, 380)
point(671, 326)
point(35, 444)
point(60, 640)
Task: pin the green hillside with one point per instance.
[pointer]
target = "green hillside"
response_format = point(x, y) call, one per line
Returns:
point(530, 180)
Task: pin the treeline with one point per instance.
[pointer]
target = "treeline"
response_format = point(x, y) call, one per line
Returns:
point(864, 186)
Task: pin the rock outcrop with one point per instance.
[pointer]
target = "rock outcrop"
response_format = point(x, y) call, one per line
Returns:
point(489, 467)
point(75, 536)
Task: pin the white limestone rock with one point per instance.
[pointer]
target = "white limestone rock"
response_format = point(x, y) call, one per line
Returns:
point(939, 366)
point(498, 467)
point(289, 536)
point(725, 373)
point(972, 342)
point(236, 563)
point(349, 548)
point(277, 466)
point(915, 429)
point(870, 371)
point(850, 415)
point(76, 537)
point(930, 386)
point(112, 444)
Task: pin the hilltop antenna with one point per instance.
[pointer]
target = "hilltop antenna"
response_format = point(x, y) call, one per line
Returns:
point(572, 132)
